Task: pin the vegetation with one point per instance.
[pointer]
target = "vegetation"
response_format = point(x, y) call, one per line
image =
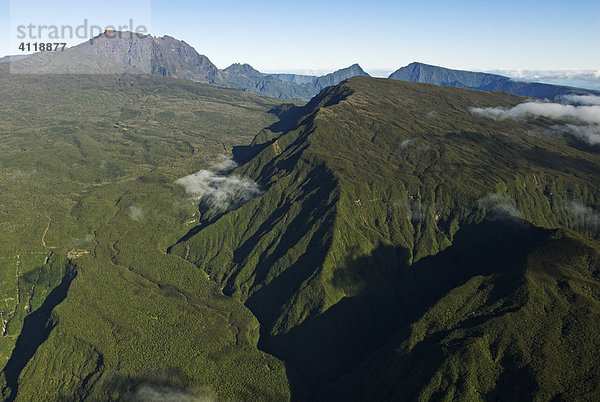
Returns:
point(389, 207)
point(518, 314)
point(91, 303)
point(401, 247)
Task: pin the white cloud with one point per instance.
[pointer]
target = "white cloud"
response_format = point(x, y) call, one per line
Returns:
point(416, 144)
point(589, 133)
point(222, 162)
point(415, 209)
point(220, 190)
point(580, 210)
point(577, 78)
point(136, 213)
point(85, 241)
point(585, 118)
point(405, 143)
point(585, 114)
point(165, 394)
point(498, 206)
point(589, 100)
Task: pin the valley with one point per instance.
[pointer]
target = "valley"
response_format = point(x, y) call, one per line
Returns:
point(299, 201)
point(378, 214)
point(70, 175)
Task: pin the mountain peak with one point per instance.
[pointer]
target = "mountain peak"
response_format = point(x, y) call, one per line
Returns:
point(418, 63)
point(114, 34)
point(340, 75)
point(355, 67)
point(112, 51)
point(244, 69)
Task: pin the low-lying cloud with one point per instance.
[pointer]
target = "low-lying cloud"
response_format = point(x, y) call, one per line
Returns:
point(416, 209)
point(220, 190)
point(223, 163)
point(86, 241)
point(166, 394)
point(583, 115)
point(582, 99)
point(589, 133)
point(584, 212)
point(136, 213)
point(498, 206)
point(416, 144)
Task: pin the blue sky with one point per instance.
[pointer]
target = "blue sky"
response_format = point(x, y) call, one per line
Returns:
point(326, 35)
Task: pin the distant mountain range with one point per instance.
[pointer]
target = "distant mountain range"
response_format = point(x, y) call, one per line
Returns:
point(295, 78)
point(12, 58)
point(419, 72)
point(387, 240)
point(130, 53)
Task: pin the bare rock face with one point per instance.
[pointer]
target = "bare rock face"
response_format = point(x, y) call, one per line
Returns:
point(124, 52)
point(127, 48)
point(116, 52)
point(175, 58)
point(163, 56)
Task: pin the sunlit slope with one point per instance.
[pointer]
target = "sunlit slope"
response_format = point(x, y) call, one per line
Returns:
point(363, 185)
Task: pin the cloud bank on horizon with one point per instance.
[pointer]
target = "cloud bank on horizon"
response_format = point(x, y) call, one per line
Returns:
point(589, 79)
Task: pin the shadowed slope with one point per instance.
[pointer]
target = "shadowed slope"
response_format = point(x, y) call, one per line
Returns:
point(373, 210)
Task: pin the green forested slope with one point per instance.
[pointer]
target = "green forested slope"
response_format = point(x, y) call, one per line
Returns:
point(370, 189)
point(517, 317)
point(92, 305)
point(399, 247)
